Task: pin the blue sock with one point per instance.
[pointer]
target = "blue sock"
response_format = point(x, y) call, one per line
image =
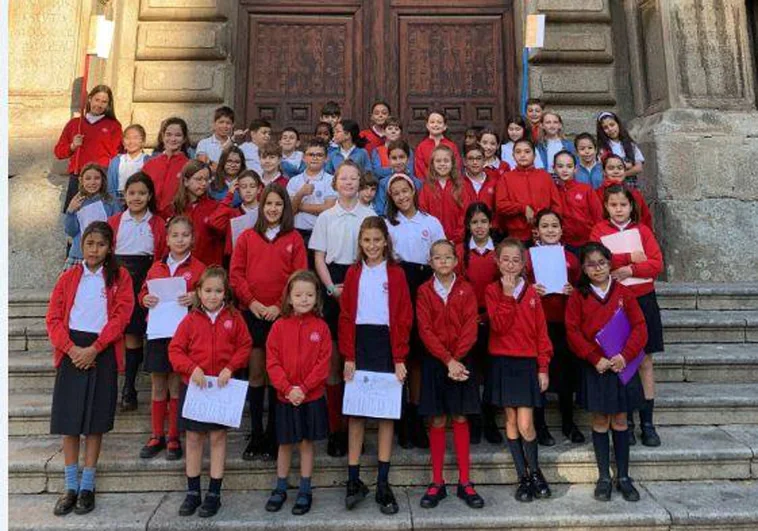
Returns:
point(72, 477)
point(281, 484)
point(88, 479)
point(353, 472)
point(305, 485)
point(383, 472)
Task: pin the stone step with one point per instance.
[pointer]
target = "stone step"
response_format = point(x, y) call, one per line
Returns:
point(688, 453)
point(663, 506)
point(676, 404)
point(27, 303)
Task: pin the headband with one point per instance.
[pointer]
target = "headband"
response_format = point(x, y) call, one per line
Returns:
point(605, 114)
point(403, 176)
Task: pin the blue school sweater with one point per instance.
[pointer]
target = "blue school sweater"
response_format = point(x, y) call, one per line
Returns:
point(72, 228)
point(382, 175)
point(593, 177)
point(357, 155)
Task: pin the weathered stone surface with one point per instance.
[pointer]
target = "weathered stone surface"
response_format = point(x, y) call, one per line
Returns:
point(185, 40)
point(576, 43)
point(699, 326)
point(183, 9)
point(199, 117)
point(574, 85)
point(573, 10)
point(180, 81)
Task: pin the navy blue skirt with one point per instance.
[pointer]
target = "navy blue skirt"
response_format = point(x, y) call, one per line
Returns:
point(512, 382)
point(564, 366)
point(604, 393)
point(306, 422)
point(415, 276)
point(442, 396)
point(332, 305)
point(138, 266)
point(651, 311)
point(258, 328)
point(84, 401)
point(373, 350)
point(186, 424)
point(156, 356)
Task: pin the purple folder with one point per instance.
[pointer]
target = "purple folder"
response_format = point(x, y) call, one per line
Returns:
point(612, 339)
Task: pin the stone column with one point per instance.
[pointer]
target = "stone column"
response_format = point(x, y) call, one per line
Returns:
point(699, 130)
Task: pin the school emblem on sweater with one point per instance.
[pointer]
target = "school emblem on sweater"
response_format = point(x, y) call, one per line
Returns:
point(425, 234)
point(386, 287)
point(289, 248)
point(104, 130)
point(491, 191)
point(228, 324)
point(533, 303)
point(315, 337)
point(187, 276)
point(318, 194)
point(578, 197)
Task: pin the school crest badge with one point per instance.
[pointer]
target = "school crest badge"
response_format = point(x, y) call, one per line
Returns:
point(386, 287)
point(187, 276)
point(228, 324)
point(315, 337)
point(289, 248)
point(579, 197)
point(425, 234)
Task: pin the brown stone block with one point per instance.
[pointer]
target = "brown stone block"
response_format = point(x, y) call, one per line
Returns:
point(182, 9)
point(575, 85)
point(184, 40)
point(178, 81)
point(576, 43)
point(578, 10)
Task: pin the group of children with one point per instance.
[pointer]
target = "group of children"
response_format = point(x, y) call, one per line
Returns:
point(357, 253)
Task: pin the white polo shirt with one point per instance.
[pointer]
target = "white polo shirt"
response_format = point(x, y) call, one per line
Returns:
point(618, 149)
point(336, 232)
point(127, 167)
point(322, 184)
point(212, 147)
point(90, 310)
point(135, 237)
point(373, 296)
point(252, 158)
point(412, 238)
point(173, 265)
point(441, 290)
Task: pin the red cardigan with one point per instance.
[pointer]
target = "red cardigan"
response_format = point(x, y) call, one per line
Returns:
point(581, 210)
point(259, 269)
point(298, 353)
point(400, 308)
point(102, 142)
point(486, 193)
point(191, 271)
point(650, 268)
point(165, 173)
point(586, 315)
point(481, 271)
point(221, 218)
point(646, 217)
point(157, 226)
point(448, 330)
point(441, 204)
point(208, 246)
point(554, 304)
point(423, 155)
point(517, 326)
point(373, 140)
point(520, 188)
point(198, 342)
point(120, 303)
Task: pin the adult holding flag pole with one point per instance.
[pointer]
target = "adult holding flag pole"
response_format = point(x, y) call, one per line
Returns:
point(94, 135)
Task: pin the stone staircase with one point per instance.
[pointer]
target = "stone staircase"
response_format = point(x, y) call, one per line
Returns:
point(702, 477)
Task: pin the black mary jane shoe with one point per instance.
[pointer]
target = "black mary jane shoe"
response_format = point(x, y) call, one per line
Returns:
point(386, 499)
point(650, 436)
point(524, 491)
point(470, 496)
point(603, 489)
point(544, 437)
point(356, 493)
point(628, 491)
point(434, 494)
point(540, 488)
point(253, 450)
point(128, 403)
point(85, 503)
point(276, 500)
point(573, 434)
point(174, 450)
point(153, 447)
point(211, 505)
point(65, 503)
point(190, 504)
point(302, 504)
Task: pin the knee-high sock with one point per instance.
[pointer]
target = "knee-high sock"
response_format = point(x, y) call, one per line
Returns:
point(566, 406)
point(646, 412)
point(132, 362)
point(517, 453)
point(602, 445)
point(255, 401)
point(530, 449)
point(173, 418)
point(462, 447)
point(158, 417)
point(621, 451)
point(539, 415)
point(334, 405)
point(437, 449)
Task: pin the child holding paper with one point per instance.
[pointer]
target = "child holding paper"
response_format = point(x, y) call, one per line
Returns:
point(563, 370)
point(636, 268)
point(521, 351)
point(299, 351)
point(374, 295)
point(447, 320)
point(590, 307)
point(164, 381)
point(212, 340)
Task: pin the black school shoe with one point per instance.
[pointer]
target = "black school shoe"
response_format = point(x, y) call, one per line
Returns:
point(386, 499)
point(603, 489)
point(189, 505)
point(302, 504)
point(356, 493)
point(174, 450)
point(65, 503)
point(128, 403)
point(470, 496)
point(276, 500)
point(628, 491)
point(544, 438)
point(524, 491)
point(210, 506)
point(153, 447)
point(85, 503)
point(540, 488)
point(253, 450)
point(650, 436)
point(573, 434)
point(434, 494)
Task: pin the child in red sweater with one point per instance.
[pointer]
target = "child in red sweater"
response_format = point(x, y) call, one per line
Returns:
point(165, 167)
point(638, 271)
point(478, 184)
point(521, 352)
point(446, 312)
point(211, 341)
point(299, 352)
point(614, 174)
point(442, 193)
point(436, 125)
point(589, 309)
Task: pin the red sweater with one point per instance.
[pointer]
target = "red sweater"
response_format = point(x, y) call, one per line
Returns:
point(165, 173)
point(208, 246)
point(586, 315)
point(298, 353)
point(448, 330)
point(520, 188)
point(481, 271)
point(423, 155)
point(646, 217)
point(400, 309)
point(191, 270)
point(500, 171)
point(281, 181)
point(441, 204)
point(260, 268)
point(198, 342)
point(220, 221)
point(486, 193)
point(517, 326)
point(554, 304)
point(102, 142)
point(581, 210)
point(650, 268)
point(157, 226)
point(120, 302)
point(373, 140)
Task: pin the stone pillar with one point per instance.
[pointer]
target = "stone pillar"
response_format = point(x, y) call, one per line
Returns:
point(694, 86)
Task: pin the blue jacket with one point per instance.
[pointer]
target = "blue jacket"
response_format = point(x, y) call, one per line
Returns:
point(592, 177)
point(542, 151)
point(72, 228)
point(113, 179)
point(290, 170)
point(382, 175)
point(357, 155)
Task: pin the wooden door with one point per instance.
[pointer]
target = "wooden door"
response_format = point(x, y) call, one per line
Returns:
point(458, 55)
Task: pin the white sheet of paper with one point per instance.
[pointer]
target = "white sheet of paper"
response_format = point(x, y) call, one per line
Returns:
point(166, 316)
point(626, 241)
point(373, 394)
point(241, 223)
point(89, 213)
point(220, 405)
point(549, 263)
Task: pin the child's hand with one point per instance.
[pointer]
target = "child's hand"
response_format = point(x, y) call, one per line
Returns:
point(271, 312)
point(187, 299)
point(77, 142)
point(349, 371)
point(223, 377)
point(568, 289)
point(232, 188)
point(544, 381)
point(151, 301)
point(540, 289)
point(457, 371)
point(76, 203)
point(75, 353)
point(508, 282)
point(306, 189)
point(258, 309)
point(638, 256)
point(239, 135)
point(198, 377)
point(337, 291)
point(622, 273)
point(400, 371)
point(602, 365)
point(296, 396)
point(617, 363)
point(529, 213)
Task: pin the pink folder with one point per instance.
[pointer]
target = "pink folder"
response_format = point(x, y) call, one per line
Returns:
point(612, 339)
